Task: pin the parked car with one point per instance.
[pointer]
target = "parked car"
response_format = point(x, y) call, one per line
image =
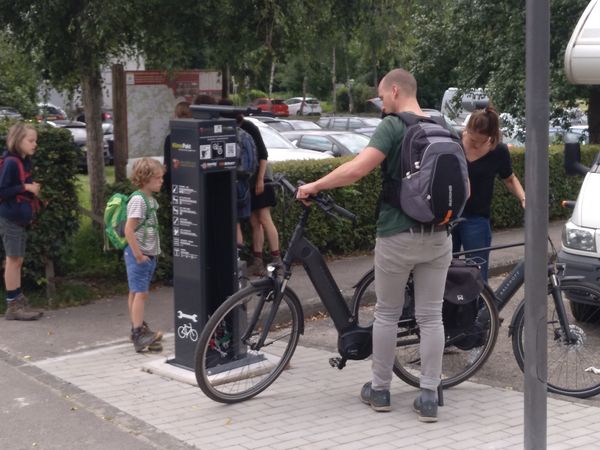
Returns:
point(471, 100)
point(278, 147)
point(48, 111)
point(281, 149)
point(273, 105)
point(557, 134)
point(311, 106)
point(336, 143)
point(348, 123)
point(377, 105)
point(106, 117)
point(290, 124)
point(6, 112)
point(78, 131)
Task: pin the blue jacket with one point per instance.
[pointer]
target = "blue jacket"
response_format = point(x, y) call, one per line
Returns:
point(11, 208)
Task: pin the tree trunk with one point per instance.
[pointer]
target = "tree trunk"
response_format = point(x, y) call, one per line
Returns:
point(91, 89)
point(594, 115)
point(333, 80)
point(120, 150)
point(271, 77)
point(348, 82)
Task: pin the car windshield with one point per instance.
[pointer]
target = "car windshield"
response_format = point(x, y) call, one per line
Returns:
point(273, 139)
point(353, 141)
point(277, 101)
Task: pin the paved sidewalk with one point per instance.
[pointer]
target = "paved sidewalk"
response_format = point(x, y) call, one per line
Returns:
point(83, 354)
point(313, 406)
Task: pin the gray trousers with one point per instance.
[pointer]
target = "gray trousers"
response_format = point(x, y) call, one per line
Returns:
point(428, 256)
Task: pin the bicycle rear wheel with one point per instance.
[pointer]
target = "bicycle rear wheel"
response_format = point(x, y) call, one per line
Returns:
point(232, 364)
point(464, 354)
point(570, 364)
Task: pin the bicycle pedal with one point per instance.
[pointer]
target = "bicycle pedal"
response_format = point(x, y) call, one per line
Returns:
point(337, 362)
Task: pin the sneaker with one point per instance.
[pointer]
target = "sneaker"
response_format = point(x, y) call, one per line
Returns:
point(378, 400)
point(18, 310)
point(146, 327)
point(143, 339)
point(427, 411)
point(257, 268)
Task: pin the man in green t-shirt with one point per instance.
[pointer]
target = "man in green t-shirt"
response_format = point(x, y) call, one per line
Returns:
point(402, 246)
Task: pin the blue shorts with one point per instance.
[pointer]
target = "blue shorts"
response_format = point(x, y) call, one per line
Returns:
point(139, 275)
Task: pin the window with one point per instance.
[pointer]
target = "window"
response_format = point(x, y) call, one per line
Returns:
point(319, 143)
point(354, 124)
point(339, 124)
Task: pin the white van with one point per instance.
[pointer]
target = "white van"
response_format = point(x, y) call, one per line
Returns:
point(472, 99)
point(580, 241)
point(581, 234)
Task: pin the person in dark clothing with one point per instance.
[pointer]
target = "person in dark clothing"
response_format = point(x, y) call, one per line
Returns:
point(262, 199)
point(182, 111)
point(487, 158)
point(18, 194)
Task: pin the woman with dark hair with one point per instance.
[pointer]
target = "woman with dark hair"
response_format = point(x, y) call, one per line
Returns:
point(487, 158)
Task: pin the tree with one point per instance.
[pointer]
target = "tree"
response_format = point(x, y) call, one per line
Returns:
point(482, 44)
point(18, 79)
point(69, 43)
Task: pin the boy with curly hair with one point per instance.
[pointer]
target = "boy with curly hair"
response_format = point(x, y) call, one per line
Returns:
point(141, 232)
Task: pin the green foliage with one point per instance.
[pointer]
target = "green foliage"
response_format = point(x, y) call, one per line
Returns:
point(19, 84)
point(55, 168)
point(360, 94)
point(506, 211)
point(253, 94)
point(329, 235)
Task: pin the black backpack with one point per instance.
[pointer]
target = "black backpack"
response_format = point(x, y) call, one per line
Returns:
point(462, 305)
point(432, 182)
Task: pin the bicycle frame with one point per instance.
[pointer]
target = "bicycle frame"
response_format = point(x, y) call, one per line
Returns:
point(301, 249)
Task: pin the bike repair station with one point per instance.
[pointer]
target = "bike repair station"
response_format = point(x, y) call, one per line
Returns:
point(205, 263)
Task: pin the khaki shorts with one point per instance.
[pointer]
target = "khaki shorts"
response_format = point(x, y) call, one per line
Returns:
point(14, 238)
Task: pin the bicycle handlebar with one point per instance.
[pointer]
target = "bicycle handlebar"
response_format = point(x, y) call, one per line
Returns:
point(323, 201)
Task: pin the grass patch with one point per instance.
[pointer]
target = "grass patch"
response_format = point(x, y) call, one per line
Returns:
point(73, 292)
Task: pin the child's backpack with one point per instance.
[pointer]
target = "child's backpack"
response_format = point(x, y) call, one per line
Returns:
point(247, 157)
point(23, 175)
point(115, 218)
point(433, 177)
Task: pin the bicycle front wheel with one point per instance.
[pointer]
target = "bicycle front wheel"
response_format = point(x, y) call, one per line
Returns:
point(573, 366)
point(464, 352)
point(247, 343)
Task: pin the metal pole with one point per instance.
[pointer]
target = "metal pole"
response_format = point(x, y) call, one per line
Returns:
point(536, 220)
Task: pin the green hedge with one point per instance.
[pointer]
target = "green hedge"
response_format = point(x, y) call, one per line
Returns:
point(55, 167)
point(339, 237)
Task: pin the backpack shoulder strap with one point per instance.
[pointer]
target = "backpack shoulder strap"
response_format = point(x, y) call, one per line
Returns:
point(412, 119)
point(22, 176)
